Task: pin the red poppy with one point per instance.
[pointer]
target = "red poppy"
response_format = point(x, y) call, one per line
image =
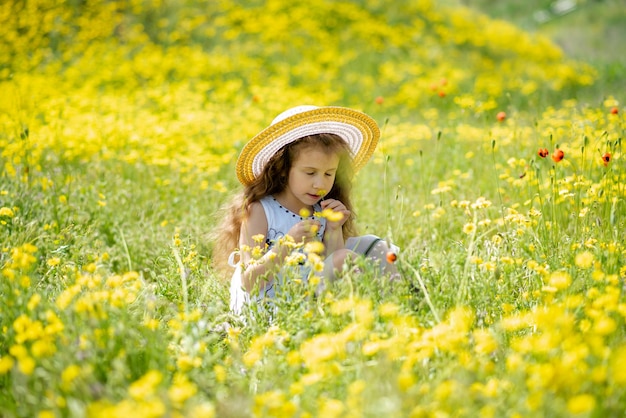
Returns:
point(380, 100)
point(614, 111)
point(391, 257)
point(558, 155)
point(543, 152)
point(606, 159)
point(501, 116)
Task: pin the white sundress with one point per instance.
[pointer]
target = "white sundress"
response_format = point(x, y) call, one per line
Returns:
point(279, 221)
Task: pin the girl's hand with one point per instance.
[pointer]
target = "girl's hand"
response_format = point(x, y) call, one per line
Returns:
point(304, 231)
point(337, 207)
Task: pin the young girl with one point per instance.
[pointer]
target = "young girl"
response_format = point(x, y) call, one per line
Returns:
point(299, 166)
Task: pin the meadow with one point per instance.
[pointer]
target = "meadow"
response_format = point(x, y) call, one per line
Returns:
point(500, 175)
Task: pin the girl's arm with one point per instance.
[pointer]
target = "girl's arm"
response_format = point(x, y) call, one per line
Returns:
point(255, 225)
point(333, 236)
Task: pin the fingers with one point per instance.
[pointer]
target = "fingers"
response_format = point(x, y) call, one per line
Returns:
point(306, 230)
point(333, 204)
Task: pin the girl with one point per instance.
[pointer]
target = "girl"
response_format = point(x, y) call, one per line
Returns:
point(298, 167)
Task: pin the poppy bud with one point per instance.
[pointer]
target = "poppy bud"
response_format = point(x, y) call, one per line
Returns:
point(558, 155)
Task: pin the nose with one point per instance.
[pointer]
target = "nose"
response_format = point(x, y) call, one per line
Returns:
point(318, 182)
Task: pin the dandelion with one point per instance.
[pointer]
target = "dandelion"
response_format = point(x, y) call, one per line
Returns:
point(26, 365)
point(181, 390)
point(606, 158)
point(53, 262)
point(70, 374)
point(203, 410)
point(560, 280)
point(331, 408)
point(330, 215)
point(220, 373)
point(469, 228)
point(315, 247)
point(581, 404)
point(543, 152)
point(584, 260)
point(558, 155)
point(6, 364)
point(7, 212)
point(146, 385)
point(604, 325)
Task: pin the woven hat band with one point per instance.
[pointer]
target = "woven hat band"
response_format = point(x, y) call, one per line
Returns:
point(358, 130)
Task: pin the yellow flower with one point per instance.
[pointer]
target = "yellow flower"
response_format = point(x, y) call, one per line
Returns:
point(4, 211)
point(220, 373)
point(26, 365)
point(181, 389)
point(203, 410)
point(469, 228)
point(70, 374)
point(43, 348)
point(484, 342)
point(331, 408)
point(581, 404)
point(604, 325)
point(405, 381)
point(6, 364)
point(145, 386)
point(330, 215)
point(316, 247)
point(617, 366)
point(584, 260)
point(33, 301)
point(53, 262)
point(560, 280)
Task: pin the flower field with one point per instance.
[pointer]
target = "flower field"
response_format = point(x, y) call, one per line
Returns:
point(120, 124)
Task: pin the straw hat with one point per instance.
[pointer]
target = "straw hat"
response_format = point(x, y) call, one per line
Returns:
point(360, 132)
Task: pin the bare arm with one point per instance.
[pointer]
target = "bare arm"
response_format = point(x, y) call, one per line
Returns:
point(333, 237)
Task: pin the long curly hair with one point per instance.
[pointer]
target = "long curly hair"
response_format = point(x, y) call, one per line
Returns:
point(273, 180)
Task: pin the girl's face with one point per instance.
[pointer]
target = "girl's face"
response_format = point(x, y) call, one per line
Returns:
point(311, 176)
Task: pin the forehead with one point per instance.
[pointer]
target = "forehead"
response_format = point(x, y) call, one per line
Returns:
point(318, 157)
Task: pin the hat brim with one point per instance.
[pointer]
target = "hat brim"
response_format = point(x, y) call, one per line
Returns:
point(359, 130)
